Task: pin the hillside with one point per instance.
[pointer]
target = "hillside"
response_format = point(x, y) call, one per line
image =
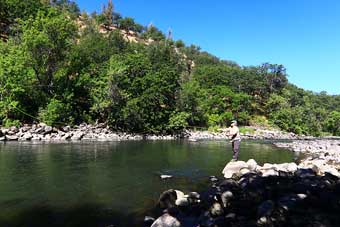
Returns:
point(60, 66)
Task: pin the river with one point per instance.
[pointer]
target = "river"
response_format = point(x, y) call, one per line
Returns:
point(108, 183)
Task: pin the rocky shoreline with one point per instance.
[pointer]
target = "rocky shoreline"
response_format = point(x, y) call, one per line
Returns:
point(101, 132)
point(251, 195)
point(325, 150)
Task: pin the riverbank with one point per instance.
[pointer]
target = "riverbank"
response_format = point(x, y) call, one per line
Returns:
point(101, 132)
point(307, 194)
point(293, 197)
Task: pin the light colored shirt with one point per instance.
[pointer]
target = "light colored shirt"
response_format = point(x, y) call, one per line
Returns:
point(234, 132)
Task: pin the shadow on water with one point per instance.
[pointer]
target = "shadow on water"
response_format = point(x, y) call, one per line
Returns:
point(89, 214)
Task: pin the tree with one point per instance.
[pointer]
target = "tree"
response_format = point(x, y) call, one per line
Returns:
point(129, 24)
point(46, 39)
point(153, 33)
point(333, 123)
point(18, 90)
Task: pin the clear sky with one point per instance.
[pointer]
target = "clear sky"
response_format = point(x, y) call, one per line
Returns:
point(303, 35)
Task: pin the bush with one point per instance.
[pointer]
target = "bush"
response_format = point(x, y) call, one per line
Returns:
point(333, 123)
point(56, 113)
point(178, 121)
point(9, 123)
point(213, 120)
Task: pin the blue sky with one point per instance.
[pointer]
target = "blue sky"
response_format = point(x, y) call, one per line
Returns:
point(303, 35)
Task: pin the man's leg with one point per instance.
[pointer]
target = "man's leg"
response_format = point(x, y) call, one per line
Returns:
point(236, 148)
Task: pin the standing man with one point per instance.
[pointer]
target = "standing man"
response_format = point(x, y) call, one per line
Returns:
point(234, 133)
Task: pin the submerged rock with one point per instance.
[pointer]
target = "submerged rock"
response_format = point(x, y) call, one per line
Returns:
point(166, 220)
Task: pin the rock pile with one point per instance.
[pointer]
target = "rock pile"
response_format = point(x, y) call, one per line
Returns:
point(268, 195)
point(97, 132)
point(319, 166)
point(325, 149)
point(257, 133)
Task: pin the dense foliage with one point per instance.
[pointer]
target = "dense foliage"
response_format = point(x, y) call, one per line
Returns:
point(60, 66)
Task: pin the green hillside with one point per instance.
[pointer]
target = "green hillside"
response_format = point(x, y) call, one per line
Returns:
point(61, 66)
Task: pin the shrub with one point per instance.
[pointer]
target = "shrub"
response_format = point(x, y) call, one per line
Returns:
point(55, 113)
point(178, 121)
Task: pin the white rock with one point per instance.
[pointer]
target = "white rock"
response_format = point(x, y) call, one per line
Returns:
point(233, 167)
point(269, 172)
point(244, 171)
point(182, 202)
point(292, 167)
point(252, 165)
point(166, 220)
point(164, 176)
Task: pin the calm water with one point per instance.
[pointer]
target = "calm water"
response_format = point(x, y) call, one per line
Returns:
point(98, 184)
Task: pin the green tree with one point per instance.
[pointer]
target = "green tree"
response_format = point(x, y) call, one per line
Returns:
point(333, 123)
point(46, 39)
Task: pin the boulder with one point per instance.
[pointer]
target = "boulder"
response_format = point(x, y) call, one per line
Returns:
point(66, 128)
point(11, 137)
point(39, 130)
point(216, 210)
point(226, 197)
point(77, 136)
point(182, 202)
point(2, 138)
point(331, 170)
point(13, 130)
point(167, 199)
point(166, 220)
point(48, 129)
point(252, 165)
point(66, 136)
point(194, 198)
point(27, 136)
point(233, 168)
point(292, 167)
point(269, 172)
point(244, 171)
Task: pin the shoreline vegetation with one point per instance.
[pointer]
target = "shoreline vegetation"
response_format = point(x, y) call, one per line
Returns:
point(102, 132)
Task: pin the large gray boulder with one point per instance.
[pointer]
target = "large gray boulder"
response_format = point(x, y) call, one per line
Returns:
point(48, 129)
point(233, 168)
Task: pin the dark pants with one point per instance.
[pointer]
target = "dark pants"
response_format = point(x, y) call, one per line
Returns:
point(236, 148)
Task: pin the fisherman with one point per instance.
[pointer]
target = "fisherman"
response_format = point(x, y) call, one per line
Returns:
point(234, 134)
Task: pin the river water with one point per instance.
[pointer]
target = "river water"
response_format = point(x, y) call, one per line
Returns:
point(113, 183)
